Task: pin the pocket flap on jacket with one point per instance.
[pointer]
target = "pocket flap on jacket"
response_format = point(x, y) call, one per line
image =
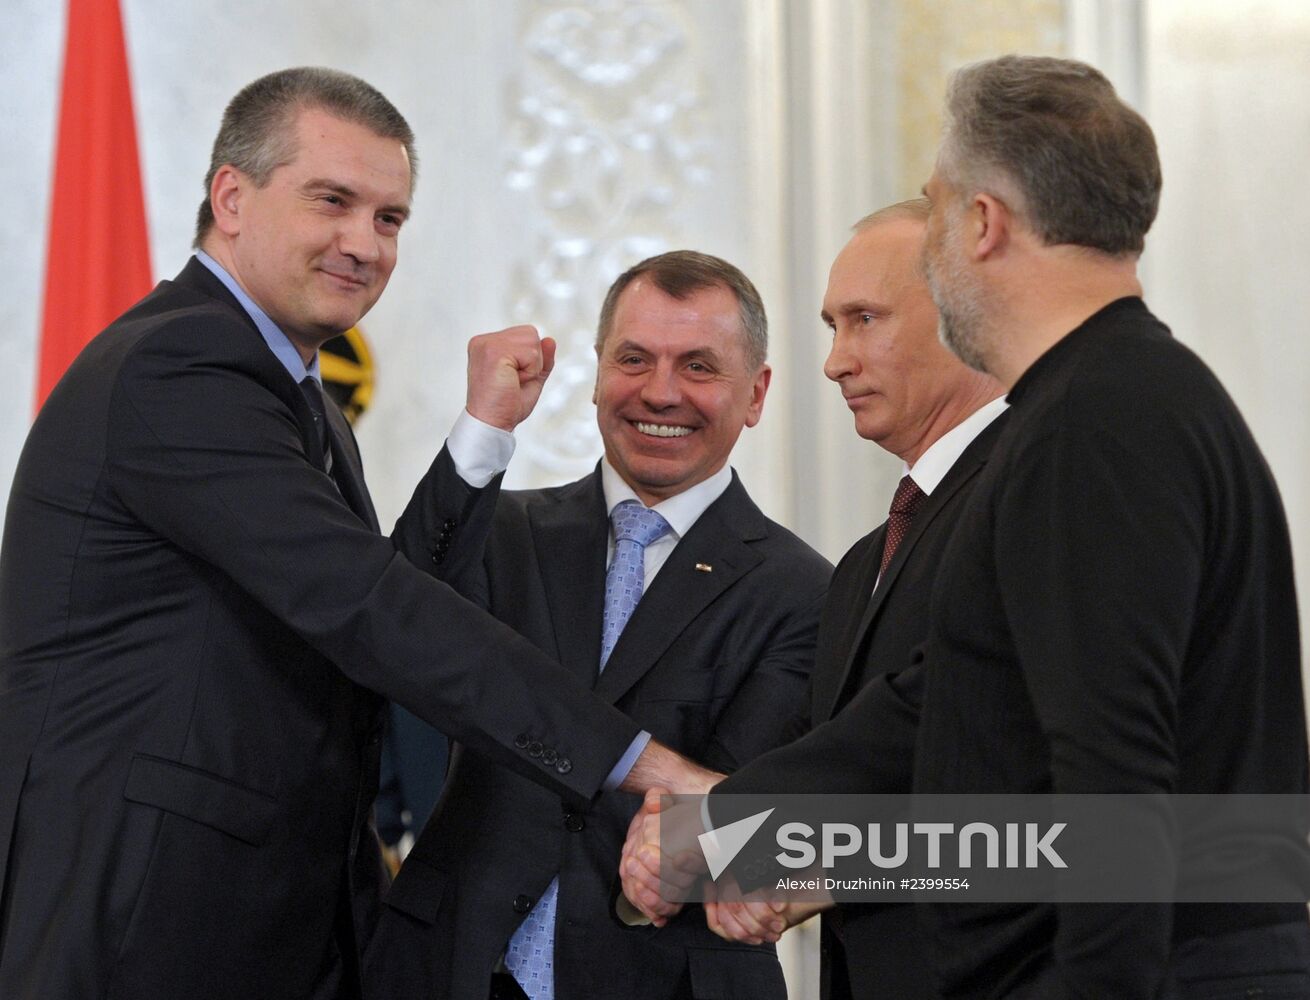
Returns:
point(198, 795)
point(417, 891)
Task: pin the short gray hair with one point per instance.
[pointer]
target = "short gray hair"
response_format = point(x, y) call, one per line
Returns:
point(681, 272)
point(1082, 163)
point(258, 131)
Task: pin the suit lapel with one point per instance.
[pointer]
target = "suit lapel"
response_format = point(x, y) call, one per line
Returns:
point(571, 531)
point(850, 601)
point(347, 470)
point(965, 468)
point(719, 539)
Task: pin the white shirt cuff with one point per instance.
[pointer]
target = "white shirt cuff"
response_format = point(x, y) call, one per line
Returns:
point(480, 452)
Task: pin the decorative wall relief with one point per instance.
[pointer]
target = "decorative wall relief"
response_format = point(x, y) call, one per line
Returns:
point(607, 130)
point(936, 37)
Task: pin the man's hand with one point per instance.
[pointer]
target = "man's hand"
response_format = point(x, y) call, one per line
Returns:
point(650, 877)
point(753, 920)
point(506, 372)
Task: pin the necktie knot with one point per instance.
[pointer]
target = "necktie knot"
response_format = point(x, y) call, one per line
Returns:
point(313, 394)
point(905, 504)
point(908, 497)
point(635, 522)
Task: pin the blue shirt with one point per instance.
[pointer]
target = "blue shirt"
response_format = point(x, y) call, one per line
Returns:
point(277, 341)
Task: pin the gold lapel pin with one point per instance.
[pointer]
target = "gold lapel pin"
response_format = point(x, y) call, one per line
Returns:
point(704, 568)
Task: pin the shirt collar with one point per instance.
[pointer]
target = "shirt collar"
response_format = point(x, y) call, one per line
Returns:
point(681, 511)
point(933, 464)
point(277, 341)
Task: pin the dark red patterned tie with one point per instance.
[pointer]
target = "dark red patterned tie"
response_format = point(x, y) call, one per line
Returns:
point(905, 504)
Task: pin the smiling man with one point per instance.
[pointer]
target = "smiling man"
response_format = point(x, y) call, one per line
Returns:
point(198, 614)
point(504, 893)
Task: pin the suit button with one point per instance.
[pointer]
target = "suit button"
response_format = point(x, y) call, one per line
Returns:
point(563, 765)
point(574, 823)
point(521, 741)
point(522, 904)
point(535, 749)
point(549, 756)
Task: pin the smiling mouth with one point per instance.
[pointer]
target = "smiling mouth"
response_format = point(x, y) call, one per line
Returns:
point(348, 279)
point(661, 430)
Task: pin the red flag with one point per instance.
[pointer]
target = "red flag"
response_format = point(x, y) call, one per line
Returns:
point(98, 257)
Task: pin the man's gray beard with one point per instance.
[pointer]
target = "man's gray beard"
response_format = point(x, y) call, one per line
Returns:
point(960, 322)
point(959, 318)
point(961, 339)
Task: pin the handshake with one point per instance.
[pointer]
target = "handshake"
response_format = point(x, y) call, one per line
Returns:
point(654, 879)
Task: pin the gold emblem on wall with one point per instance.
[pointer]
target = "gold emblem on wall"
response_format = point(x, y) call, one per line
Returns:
point(346, 364)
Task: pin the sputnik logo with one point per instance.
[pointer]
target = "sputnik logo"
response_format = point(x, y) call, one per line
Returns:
point(720, 846)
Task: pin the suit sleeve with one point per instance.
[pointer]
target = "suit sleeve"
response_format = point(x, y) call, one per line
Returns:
point(209, 460)
point(1099, 555)
point(444, 528)
point(866, 748)
point(755, 719)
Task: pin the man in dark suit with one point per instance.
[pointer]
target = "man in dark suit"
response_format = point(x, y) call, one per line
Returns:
point(915, 399)
point(912, 397)
point(196, 607)
point(713, 660)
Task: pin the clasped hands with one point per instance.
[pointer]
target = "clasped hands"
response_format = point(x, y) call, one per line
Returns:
point(653, 877)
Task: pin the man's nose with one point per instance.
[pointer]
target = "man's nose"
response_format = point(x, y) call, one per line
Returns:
point(359, 239)
point(840, 361)
point(661, 388)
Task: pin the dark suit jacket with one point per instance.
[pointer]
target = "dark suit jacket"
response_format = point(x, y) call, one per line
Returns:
point(861, 640)
point(710, 663)
point(1116, 613)
point(193, 620)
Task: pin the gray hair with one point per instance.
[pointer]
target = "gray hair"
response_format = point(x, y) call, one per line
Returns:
point(681, 272)
point(1082, 163)
point(258, 131)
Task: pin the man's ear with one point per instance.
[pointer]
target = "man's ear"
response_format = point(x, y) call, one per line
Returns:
point(759, 386)
point(992, 225)
point(225, 198)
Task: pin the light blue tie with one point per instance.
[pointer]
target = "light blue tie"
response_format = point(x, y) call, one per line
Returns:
point(530, 956)
point(635, 527)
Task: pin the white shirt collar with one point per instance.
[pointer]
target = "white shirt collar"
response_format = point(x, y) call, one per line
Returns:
point(681, 511)
point(933, 464)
